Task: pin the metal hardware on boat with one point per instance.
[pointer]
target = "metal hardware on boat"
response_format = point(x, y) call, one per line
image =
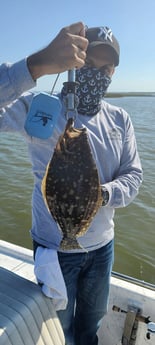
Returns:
point(130, 326)
point(133, 316)
point(133, 280)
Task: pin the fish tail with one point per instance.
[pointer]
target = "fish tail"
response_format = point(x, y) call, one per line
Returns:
point(69, 243)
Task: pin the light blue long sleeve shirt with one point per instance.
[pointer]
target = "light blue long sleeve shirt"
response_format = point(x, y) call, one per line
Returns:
point(112, 140)
point(14, 80)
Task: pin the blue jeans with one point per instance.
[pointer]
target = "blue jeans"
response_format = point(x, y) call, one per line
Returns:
point(87, 278)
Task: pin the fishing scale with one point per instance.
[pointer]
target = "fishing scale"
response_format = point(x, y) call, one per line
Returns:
point(45, 110)
point(43, 115)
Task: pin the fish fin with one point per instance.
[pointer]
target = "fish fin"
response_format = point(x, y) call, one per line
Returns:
point(69, 243)
point(43, 186)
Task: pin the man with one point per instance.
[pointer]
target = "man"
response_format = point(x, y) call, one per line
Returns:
point(86, 272)
point(21, 76)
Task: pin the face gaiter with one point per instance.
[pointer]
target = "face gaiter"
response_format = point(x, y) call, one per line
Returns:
point(93, 84)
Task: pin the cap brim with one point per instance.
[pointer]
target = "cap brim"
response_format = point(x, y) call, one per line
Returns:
point(97, 43)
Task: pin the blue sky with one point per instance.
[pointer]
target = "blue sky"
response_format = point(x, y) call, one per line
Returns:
point(27, 26)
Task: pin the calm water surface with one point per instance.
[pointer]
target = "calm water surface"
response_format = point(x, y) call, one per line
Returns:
point(134, 225)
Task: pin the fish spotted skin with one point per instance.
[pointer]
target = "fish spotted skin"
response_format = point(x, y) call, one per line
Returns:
point(71, 186)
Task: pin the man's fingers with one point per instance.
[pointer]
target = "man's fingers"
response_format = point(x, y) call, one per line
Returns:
point(80, 54)
point(80, 42)
point(76, 29)
point(76, 35)
point(77, 32)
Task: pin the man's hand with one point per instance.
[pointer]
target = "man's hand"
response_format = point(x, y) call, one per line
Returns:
point(66, 51)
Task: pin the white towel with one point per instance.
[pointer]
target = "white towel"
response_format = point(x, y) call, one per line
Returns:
point(48, 272)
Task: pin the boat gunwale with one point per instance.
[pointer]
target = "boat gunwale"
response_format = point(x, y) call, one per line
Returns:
point(133, 280)
point(26, 255)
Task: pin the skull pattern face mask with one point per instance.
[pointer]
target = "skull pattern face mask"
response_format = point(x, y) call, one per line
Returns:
point(93, 83)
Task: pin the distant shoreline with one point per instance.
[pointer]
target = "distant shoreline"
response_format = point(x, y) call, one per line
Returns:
point(121, 94)
point(129, 94)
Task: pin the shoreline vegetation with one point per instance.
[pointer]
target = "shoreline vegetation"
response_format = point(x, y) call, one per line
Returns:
point(129, 94)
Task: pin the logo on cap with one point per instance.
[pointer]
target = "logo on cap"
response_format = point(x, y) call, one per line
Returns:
point(105, 33)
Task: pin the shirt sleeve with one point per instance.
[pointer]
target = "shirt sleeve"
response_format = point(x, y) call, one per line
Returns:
point(14, 80)
point(13, 116)
point(127, 181)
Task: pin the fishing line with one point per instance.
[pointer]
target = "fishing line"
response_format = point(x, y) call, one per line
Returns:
point(51, 93)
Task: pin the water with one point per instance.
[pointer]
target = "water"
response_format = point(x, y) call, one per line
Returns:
point(134, 225)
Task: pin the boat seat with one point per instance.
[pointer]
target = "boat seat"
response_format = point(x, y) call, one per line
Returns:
point(27, 317)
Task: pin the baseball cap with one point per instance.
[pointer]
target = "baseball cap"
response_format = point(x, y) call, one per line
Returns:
point(103, 35)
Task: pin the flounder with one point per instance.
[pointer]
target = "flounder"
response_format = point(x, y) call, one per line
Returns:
point(71, 187)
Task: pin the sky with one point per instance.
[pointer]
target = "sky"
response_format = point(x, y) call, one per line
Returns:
point(27, 26)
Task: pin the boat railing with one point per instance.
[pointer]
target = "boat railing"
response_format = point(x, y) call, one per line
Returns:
point(133, 280)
